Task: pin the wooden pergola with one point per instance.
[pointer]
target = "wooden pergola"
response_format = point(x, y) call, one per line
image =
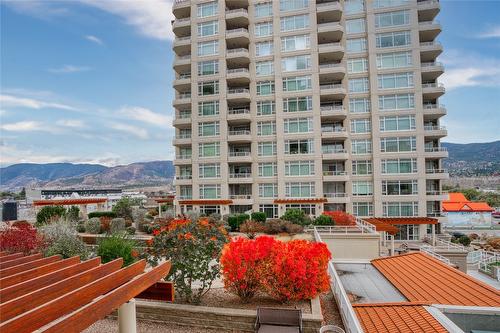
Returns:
point(68, 295)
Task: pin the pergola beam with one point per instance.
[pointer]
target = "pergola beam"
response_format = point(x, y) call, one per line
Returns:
point(4, 272)
point(10, 256)
point(19, 261)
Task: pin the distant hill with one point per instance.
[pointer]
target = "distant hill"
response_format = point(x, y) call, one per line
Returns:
point(89, 175)
point(473, 159)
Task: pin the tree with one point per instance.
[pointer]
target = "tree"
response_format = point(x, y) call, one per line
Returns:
point(49, 214)
point(295, 215)
point(123, 208)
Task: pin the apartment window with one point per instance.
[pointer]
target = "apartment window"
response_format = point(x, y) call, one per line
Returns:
point(398, 144)
point(264, 29)
point(268, 190)
point(393, 39)
point(207, 9)
point(297, 63)
point(361, 146)
point(355, 26)
point(407, 232)
point(271, 211)
point(265, 108)
point(208, 28)
point(332, 148)
point(395, 80)
point(208, 129)
point(267, 148)
point(398, 123)
point(359, 105)
point(400, 209)
point(304, 146)
point(295, 43)
point(359, 85)
point(296, 22)
point(210, 191)
point(399, 187)
point(186, 192)
point(264, 68)
point(391, 19)
point(268, 169)
point(208, 108)
point(185, 152)
point(359, 126)
point(266, 128)
point(297, 83)
point(390, 3)
point(298, 125)
point(361, 188)
point(263, 9)
point(289, 5)
point(362, 168)
point(299, 168)
point(208, 48)
point(300, 190)
point(396, 102)
point(263, 48)
point(354, 6)
point(399, 165)
point(356, 45)
point(394, 60)
point(265, 88)
point(206, 88)
point(362, 209)
point(297, 104)
point(210, 67)
point(211, 170)
point(357, 65)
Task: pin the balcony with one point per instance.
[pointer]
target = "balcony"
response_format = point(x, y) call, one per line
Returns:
point(240, 177)
point(238, 75)
point(329, 11)
point(434, 111)
point(239, 156)
point(334, 154)
point(182, 139)
point(333, 111)
point(428, 9)
point(330, 32)
point(182, 121)
point(336, 197)
point(183, 82)
point(183, 99)
point(181, 8)
point(437, 174)
point(436, 195)
point(436, 152)
point(330, 52)
point(332, 91)
point(239, 95)
point(435, 131)
point(432, 90)
point(240, 196)
point(182, 27)
point(429, 51)
point(237, 18)
point(335, 132)
point(238, 115)
point(431, 70)
point(237, 58)
point(239, 135)
point(334, 71)
point(182, 46)
point(182, 63)
point(335, 176)
point(429, 30)
point(237, 38)
point(182, 159)
point(183, 180)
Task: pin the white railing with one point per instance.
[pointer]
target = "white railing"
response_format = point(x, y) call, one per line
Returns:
point(365, 226)
point(240, 132)
point(434, 128)
point(240, 175)
point(436, 171)
point(331, 86)
point(430, 251)
point(331, 107)
point(446, 245)
point(335, 195)
point(435, 192)
point(334, 173)
point(333, 151)
point(432, 85)
point(482, 259)
point(239, 111)
point(238, 91)
point(237, 70)
point(240, 49)
point(435, 149)
point(239, 153)
point(332, 129)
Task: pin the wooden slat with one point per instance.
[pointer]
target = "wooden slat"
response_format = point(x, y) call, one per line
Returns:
point(3, 253)
point(35, 283)
point(67, 303)
point(31, 300)
point(160, 291)
point(29, 265)
point(99, 308)
point(19, 261)
point(37, 271)
point(11, 256)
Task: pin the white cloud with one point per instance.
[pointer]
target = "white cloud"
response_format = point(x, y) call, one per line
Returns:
point(71, 123)
point(146, 116)
point(94, 39)
point(23, 126)
point(11, 101)
point(141, 133)
point(67, 69)
point(37, 8)
point(493, 32)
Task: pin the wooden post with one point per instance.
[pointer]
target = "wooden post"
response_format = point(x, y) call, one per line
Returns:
point(127, 317)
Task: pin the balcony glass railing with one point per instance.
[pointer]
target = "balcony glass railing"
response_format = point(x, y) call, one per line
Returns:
point(431, 64)
point(240, 196)
point(237, 70)
point(184, 177)
point(239, 153)
point(236, 31)
point(433, 43)
point(238, 91)
point(239, 132)
point(240, 49)
point(237, 11)
point(331, 65)
point(432, 171)
point(333, 150)
point(332, 107)
point(434, 128)
point(239, 111)
point(435, 149)
point(184, 76)
point(184, 95)
point(334, 173)
point(183, 136)
point(332, 129)
point(240, 175)
point(331, 86)
point(335, 195)
point(183, 157)
point(432, 85)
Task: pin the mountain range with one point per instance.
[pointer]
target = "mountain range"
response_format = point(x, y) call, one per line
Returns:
point(465, 160)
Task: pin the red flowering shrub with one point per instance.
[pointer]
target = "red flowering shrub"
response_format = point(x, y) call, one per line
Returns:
point(242, 262)
point(341, 218)
point(20, 238)
point(296, 270)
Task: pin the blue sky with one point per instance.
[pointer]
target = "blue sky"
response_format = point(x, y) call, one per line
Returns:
point(90, 80)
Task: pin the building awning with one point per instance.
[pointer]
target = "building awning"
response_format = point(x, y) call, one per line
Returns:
point(299, 201)
point(69, 202)
point(205, 202)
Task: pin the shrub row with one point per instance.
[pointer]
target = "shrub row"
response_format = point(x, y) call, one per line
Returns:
point(102, 214)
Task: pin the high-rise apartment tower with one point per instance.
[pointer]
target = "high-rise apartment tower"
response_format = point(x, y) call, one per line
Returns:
point(318, 105)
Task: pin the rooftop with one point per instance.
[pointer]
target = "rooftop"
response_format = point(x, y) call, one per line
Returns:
point(457, 202)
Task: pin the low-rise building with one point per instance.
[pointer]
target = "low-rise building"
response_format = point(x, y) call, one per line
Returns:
point(461, 212)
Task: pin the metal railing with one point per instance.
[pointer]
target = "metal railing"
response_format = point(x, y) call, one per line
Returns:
point(183, 157)
point(435, 149)
point(431, 64)
point(184, 76)
point(427, 2)
point(433, 106)
point(184, 136)
point(429, 22)
point(436, 171)
point(183, 115)
point(240, 49)
point(184, 95)
point(334, 151)
point(239, 153)
point(333, 129)
point(240, 132)
point(238, 91)
point(430, 251)
point(235, 11)
point(434, 43)
point(239, 111)
point(240, 196)
point(335, 195)
point(334, 173)
point(240, 175)
point(432, 85)
point(184, 177)
point(435, 192)
point(434, 128)
point(332, 107)
point(331, 86)
point(237, 70)
point(235, 31)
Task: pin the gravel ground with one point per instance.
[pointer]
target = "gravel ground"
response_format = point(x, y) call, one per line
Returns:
point(331, 315)
point(111, 326)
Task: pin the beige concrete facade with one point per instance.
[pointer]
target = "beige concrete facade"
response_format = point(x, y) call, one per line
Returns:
point(326, 135)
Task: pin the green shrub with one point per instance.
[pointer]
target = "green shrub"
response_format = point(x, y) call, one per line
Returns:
point(111, 215)
point(93, 226)
point(49, 214)
point(323, 220)
point(73, 214)
point(61, 238)
point(236, 220)
point(274, 226)
point(80, 227)
point(123, 208)
point(117, 225)
point(131, 230)
point(292, 228)
point(259, 216)
point(114, 247)
point(147, 228)
point(464, 240)
point(295, 215)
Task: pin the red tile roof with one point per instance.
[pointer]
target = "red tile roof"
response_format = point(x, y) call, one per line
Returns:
point(458, 203)
point(397, 317)
point(68, 202)
point(422, 278)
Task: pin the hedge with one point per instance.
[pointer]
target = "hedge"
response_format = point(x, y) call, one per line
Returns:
point(102, 214)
